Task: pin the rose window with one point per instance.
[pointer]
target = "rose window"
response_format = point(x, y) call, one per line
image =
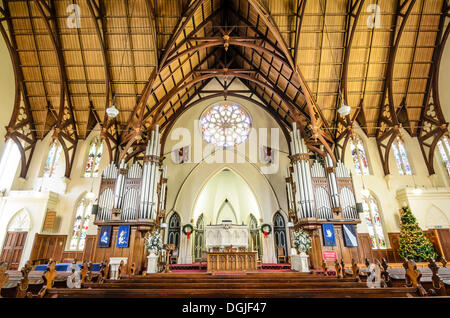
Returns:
point(225, 124)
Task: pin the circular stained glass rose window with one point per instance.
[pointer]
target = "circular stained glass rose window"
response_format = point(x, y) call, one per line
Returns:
point(225, 124)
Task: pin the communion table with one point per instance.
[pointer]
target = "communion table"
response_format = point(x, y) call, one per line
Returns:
point(230, 238)
point(232, 262)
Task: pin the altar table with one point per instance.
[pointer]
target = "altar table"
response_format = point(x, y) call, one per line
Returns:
point(232, 262)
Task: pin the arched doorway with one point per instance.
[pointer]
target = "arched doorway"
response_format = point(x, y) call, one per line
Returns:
point(255, 236)
point(279, 232)
point(15, 239)
point(174, 230)
point(199, 239)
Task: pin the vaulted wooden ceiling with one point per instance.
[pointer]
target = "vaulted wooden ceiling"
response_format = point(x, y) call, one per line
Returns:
point(153, 58)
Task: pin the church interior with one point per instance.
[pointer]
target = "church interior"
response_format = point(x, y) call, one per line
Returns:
point(224, 148)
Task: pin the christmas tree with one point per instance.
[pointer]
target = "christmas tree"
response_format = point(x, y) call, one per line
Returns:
point(413, 242)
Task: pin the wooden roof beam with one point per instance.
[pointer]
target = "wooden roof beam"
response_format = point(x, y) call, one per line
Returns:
point(134, 129)
point(432, 125)
point(66, 130)
point(301, 6)
point(388, 124)
point(109, 131)
point(344, 126)
point(21, 128)
point(319, 126)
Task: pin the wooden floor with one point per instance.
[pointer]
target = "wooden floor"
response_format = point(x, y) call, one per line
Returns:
point(274, 285)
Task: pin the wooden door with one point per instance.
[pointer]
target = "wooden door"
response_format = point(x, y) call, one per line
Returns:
point(12, 249)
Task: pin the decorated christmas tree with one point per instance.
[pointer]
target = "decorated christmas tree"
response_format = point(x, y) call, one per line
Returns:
point(413, 242)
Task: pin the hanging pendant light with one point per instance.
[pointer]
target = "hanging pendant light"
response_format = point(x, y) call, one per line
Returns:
point(344, 110)
point(364, 191)
point(112, 111)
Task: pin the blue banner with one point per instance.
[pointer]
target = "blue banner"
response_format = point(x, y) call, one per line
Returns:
point(350, 238)
point(105, 236)
point(123, 236)
point(329, 238)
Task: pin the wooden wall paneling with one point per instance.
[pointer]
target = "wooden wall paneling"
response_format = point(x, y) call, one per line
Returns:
point(76, 255)
point(317, 247)
point(89, 248)
point(48, 246)
point(444, 239)
point(433, 236)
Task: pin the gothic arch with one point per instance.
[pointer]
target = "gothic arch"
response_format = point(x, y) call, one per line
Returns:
point(20, 221)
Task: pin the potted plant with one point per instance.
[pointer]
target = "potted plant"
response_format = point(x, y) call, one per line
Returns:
point(153, 244)
point(302, 244)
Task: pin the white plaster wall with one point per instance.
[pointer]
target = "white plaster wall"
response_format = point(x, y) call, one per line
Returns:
point(431, 207)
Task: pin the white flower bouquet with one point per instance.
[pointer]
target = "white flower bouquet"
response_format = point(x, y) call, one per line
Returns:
point(154, 242)
point(302, 241)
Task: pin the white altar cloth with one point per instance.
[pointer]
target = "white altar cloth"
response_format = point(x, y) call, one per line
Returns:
point(222, 235)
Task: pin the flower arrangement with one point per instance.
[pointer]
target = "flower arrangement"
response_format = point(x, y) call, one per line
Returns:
point(302, 241)
point(154, 242)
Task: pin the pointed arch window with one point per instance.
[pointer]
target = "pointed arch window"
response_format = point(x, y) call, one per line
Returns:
point(81, 224)
point(373, 221)
point(93, 159)
point(199, 239)
point(255, 236)
point(401, 158)
point(279, 231)
point(8, 164)
point(174, 230)
point(52, 159)
point(444, 149)
point(359, 156)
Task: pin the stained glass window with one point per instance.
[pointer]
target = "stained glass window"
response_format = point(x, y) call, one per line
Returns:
point(373, 222)
point(93, 160)
point(401, 158)
point(52, 159)
point(81, 224)
point(8, 165)
point(225, 124)
point(359, 156)
point(444, 149)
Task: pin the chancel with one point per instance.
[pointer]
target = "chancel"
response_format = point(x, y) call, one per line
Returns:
point(239, 148)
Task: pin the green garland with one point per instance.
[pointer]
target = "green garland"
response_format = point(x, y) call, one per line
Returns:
point(185, 231)
point(266, 226)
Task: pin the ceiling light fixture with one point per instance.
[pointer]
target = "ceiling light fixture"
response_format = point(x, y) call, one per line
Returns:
point(344, 110)
point(112, 111)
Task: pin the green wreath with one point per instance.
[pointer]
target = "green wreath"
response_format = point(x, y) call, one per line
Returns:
point(188, 229)
point(268, 227)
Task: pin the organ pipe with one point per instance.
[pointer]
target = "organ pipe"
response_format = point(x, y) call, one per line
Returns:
point(140, 199)
point(332, 182)
point(120, 186)
point(302, 174)
point(313, 187)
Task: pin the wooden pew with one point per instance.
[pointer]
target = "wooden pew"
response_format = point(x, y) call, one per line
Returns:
point(228, 293)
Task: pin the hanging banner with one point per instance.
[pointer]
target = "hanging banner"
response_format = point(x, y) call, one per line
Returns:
point(105, 236)
point(123, 236)
point(350, 238)
point(329, 238)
